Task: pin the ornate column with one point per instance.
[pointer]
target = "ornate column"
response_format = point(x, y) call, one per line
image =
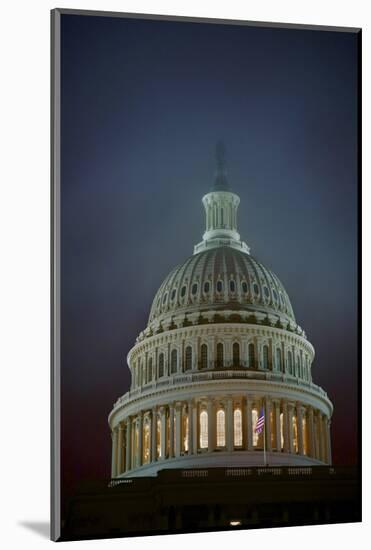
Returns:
point(153, 435)
point(171, 430)
point(299, 422)
point(316, 437)
point(163, 432)
point(230, 430)
point(286, 437)
point(268, 427)
point(328, 440)
point(140, 439)
point(248, 425)
point(195, 427)
point(320, 437)
point(119, 449)
point(114, 452)
point(128, 443)
point(311, 441)
point(211, 432)
point(178, 428)
point(291, 428)
point(190, 427)
point(277, 405)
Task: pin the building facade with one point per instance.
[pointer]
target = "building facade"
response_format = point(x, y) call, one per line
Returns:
point(221, 347)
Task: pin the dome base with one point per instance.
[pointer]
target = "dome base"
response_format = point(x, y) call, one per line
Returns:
point(235, 459)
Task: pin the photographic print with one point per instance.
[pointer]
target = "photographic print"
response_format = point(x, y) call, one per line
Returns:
point(205, 366)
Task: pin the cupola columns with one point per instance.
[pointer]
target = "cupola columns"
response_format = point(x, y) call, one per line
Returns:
point(221, 212)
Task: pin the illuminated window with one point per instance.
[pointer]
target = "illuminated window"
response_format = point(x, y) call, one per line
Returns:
point(161, 365)
point(136, 445)
point(255, 436)
point(203, 356)
point(146, 442)
point(281, 430)
point(278, 359)
point(219, 355)
point(158, 438)
point(174, 361)
point(220, 428)
point(305, 436)
point(265, 357)
point(295, 433)
point(236, 354)
point(237, 422)
point(188, 358)
point(203, 430)
point(150, 362)
point(251, 356)
point(185, 432)
point(273, 431)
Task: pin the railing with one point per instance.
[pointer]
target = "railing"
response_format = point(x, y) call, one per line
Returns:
point(208, 375)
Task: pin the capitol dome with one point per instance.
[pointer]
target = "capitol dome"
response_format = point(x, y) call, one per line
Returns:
point(219, 279)
point(222, 373)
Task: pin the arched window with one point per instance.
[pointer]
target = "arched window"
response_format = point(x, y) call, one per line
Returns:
point(158, 438)
point(203, 430)
point(219, 355)
point(237, 423)
point(188, 358)
point(174, 361)
point(150, 369)
point(279, 359)
point(220, 428)
point(203, 356)
point(146, 442)
point(236, 354)
point(185, 432)
point(295, 433)
point(305, 436)
point(289, 361)
point(136, 445)
point(255, 436)
point(251, 356)
point(265, 358)
point(161, 365)
point(281, 431)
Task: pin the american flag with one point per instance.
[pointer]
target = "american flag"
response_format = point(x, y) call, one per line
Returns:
point(260, 422)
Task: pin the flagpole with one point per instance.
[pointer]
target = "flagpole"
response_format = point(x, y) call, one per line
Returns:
point(265, 461)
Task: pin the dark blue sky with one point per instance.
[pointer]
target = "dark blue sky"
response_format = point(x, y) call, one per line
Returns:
point(143, 103)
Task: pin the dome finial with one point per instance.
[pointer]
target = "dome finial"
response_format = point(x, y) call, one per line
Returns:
point(221, 180)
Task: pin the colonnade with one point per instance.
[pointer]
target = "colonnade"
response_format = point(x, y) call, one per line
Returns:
point(208, 425)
